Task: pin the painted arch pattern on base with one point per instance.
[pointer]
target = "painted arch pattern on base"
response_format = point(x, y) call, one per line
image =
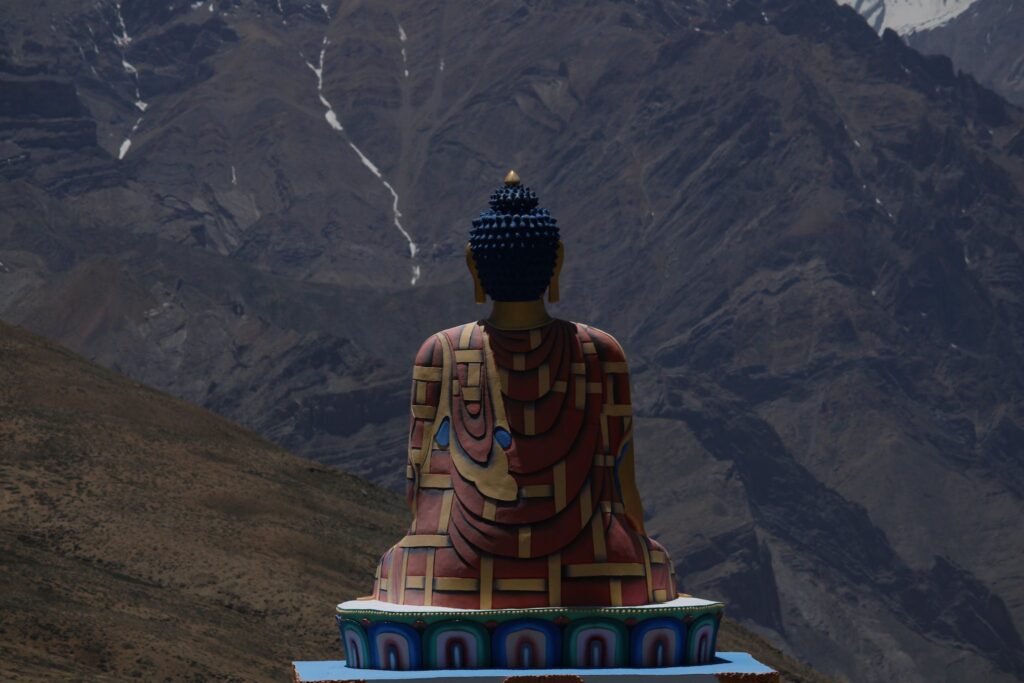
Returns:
point(530, 642)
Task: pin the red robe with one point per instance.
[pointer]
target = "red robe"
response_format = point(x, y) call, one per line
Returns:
point(520, 476)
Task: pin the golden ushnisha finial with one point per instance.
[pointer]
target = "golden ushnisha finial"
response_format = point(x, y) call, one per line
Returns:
point(512, 179)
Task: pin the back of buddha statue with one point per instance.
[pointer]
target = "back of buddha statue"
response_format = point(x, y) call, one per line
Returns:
point(520, 473)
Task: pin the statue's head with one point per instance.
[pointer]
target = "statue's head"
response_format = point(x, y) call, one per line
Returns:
point(514, 253)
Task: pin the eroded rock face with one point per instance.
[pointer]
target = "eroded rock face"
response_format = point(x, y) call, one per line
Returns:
point(807, 238)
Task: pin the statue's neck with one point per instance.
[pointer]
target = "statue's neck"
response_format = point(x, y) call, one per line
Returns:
point(518, 315)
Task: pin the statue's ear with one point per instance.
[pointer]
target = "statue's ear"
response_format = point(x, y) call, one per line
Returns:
point(553, 293)
point(478, 289)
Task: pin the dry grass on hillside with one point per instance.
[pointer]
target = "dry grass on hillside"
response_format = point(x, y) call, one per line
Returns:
point(145, 537)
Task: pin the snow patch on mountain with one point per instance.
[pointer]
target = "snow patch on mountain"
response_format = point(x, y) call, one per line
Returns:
point(402, 37)
point(123, 42)
point(127, 144)
point(908, 16)
point(333, 122)
point(332, 118)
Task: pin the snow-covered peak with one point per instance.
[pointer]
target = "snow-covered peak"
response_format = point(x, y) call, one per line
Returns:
point(908, 16)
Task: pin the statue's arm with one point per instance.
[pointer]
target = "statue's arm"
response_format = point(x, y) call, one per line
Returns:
point(426, 391)
point(616, 372)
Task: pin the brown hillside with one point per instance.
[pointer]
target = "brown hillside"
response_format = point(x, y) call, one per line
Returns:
point(145, 538)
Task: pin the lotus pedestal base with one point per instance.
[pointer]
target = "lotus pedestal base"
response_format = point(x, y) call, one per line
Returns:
point(384, 636)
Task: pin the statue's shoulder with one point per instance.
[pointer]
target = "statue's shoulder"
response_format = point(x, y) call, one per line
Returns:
point(607, 346)
point(460, 336)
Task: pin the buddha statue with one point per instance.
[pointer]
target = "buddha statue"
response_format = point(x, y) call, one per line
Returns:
point(527, 548)
point(520, 472)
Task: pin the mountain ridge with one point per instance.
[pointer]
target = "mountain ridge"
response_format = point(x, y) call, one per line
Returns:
point(907, 17)
point(981, 37)
point(983, 41)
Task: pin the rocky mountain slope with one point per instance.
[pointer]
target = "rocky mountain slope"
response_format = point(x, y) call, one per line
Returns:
point(146, 538)
point(986, 41)
point(807, 237)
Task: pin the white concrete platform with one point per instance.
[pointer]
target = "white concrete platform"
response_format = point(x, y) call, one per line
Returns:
point(364, 605)
point(727, 665)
